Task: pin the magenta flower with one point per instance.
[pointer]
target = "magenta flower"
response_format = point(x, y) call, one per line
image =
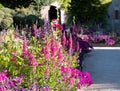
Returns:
point(46, 88)
point(59, 26)
point(87, 78)
point(79, 85)
point(85, 38)
point(62, 69)
point(110, 42)
point(70, 42)
point(3, 89)
point(13, 59)
point(72, 81)
point(82, 81)
point(18, 80)
point(60, 56)
point(54, 48)
point(47, 72)
point(46, 50)
point(32, 61)
point(14, 53)
point(63, 40)
point(3, 77)
point(24, 49)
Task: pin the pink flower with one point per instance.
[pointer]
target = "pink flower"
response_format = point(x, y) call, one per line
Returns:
point(63, 40)
point(62, 69)
point(87, 78)
point(110, 42)
point(79, 86)
point(54, 48)
point(3, 89)
point(13, 59)
point(70, 42)
point(60, 56)
point(14, 53)
point(82, 81)
point(18, 80)
point(46, 88)
point(32, 61)
point(77, 47)
point(3, 77)
point(72, 81)
point(47, 72)
point(59, 26)
point(85, 38)
point(24, 49)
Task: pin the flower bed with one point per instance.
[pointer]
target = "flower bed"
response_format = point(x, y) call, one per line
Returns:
point(45, 65)
point(101, 40)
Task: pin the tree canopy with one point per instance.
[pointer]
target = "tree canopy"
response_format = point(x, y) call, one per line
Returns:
point(88, 10)
point(24, 3)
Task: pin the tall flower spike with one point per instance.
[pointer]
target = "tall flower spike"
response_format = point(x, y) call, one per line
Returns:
point(24, 48)
point(70, 44)
point(63, 39)
point(77, 47)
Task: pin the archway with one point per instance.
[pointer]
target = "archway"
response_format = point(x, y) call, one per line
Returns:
point(52, 13)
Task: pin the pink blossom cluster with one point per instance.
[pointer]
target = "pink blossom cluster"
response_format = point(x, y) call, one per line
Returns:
point(67, 42)
point(71, 75)
point(28, 56)
point(7, 83)
point(108, 40)
point(52, 50)
point(3, 77)
point(56, 25)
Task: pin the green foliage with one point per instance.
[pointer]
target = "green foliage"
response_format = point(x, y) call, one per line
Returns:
point(30, 20)
point(65, 4)
point(1, 6)
point(2, 14)
point(16, 3)
point(87, 11)
point(20, 16)
point(24, 11)
point(21, 21)
point(6, 20)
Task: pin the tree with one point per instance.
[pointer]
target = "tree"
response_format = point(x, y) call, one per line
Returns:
point(41, 3)
point(88, 11)
point(65, 4)
point(24, 3)
point(16, 3)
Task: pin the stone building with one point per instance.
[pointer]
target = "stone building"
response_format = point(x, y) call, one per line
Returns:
point(114, 15)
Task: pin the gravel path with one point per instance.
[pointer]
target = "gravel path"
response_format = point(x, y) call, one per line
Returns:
point(104, 66)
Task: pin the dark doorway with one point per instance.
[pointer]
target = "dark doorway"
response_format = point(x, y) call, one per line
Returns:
point(52, 13)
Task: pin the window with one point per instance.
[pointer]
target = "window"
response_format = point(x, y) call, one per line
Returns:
point(116, 14)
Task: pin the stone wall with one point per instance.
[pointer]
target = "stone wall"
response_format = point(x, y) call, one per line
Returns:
point(114, 15)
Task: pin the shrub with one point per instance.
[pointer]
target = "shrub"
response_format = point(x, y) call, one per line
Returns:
point(2, 14)
point(7, 22)
point(32, 19)
point(6, 18)
point(23, 11)
point(18, 21)
point(6, 10)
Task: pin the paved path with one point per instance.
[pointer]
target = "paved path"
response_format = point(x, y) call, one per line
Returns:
point(104, 66)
